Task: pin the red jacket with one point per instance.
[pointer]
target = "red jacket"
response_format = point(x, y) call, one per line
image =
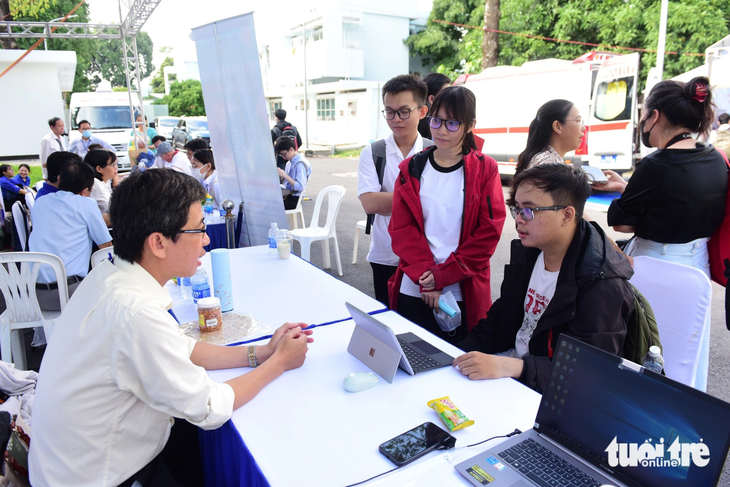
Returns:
point(482, 221)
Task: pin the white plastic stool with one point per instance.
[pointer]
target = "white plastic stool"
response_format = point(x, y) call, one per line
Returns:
point(358, 226)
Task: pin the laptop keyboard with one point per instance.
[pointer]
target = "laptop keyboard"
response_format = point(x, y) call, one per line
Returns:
point(544, 467)
point(418, 361)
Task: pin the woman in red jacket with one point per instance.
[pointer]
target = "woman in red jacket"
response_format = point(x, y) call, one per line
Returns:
point(448, 212)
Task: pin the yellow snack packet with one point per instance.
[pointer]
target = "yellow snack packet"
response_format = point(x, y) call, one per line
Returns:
point(450, 415)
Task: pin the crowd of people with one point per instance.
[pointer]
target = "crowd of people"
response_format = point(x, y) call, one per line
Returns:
point(438, 213)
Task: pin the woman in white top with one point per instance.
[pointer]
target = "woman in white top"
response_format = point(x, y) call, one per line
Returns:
point(204, 171)
point(104, 164)
point(556, 130)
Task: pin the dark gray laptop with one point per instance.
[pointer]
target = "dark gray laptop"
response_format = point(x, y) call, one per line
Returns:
point(604, 420)
point(375, 345)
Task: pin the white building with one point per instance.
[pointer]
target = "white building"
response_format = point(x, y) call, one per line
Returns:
point(32, 94)
point(351, 51)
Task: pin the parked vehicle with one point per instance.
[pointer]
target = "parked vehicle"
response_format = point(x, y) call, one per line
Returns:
point(108, 114)
point(164, 126)
point(602, 86)
point(189, 128)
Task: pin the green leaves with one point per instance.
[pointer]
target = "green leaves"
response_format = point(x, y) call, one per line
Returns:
point(185, 99)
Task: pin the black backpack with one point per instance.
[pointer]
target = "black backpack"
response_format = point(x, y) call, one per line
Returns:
point(287, 131)
point(378, 150)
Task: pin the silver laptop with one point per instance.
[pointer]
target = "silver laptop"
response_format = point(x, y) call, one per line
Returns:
point(375, 345)
point(604, 420)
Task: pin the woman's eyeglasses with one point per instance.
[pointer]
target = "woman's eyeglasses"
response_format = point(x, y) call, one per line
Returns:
point(451, 125)
point(528, 214)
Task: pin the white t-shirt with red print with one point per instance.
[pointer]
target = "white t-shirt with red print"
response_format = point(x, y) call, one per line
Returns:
point(539, 293)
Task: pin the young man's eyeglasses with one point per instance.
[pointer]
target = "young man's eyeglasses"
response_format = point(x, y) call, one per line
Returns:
point(404, 114)
point(451, 125)
point(197, 230)
point(528, 214)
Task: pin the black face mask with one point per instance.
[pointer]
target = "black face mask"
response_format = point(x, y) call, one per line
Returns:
point(645, 135)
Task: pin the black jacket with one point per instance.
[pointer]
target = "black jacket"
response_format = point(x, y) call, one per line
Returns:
point(280, 126)
point(592, 302)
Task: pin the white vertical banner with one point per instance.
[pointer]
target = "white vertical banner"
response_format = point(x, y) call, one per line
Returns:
point(230, 73)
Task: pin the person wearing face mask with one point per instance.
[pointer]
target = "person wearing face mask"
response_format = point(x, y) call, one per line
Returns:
point(81, 146)
point(675, 200)
point(204, 171)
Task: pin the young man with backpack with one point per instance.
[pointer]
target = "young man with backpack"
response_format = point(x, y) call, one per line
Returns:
point(564, 276)
point(404, 100)
point(284, 129)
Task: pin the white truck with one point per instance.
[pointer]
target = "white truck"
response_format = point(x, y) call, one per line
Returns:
point(602, 86)
point(108, 114)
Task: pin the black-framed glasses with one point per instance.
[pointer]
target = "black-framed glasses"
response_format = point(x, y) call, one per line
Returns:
point(197, 230)
point(451, 125)
point(404, 113)
point(528, 214)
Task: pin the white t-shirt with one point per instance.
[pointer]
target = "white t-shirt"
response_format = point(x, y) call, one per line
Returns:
point(442, 202)
point(180, 163)
point(381, 251)
point(102, 194)
point(539, 293)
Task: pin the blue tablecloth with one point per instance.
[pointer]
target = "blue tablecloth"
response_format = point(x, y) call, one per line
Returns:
point(217, 234)
point(226, 459)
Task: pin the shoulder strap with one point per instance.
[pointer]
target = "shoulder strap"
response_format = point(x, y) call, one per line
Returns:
point(378, 151)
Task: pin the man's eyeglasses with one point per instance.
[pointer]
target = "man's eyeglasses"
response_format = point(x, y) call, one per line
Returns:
point(283, 154)
point(197, 230)
point(528, 214)
point(451, 125)
point(404, 114)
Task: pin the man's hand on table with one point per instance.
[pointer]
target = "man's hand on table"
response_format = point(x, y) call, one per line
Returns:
point(264, 352)
point(478, 365)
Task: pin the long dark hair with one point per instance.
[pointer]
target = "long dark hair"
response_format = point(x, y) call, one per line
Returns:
point(541, 129)
point(687, 105)
point(458, 103)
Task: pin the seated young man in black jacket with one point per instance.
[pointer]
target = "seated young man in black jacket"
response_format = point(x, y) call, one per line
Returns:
point(564, 276)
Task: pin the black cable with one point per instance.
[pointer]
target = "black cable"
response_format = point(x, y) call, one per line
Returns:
point(371, 478)
point(515, 432)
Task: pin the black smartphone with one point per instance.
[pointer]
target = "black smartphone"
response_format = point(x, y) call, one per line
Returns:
point(415, 443)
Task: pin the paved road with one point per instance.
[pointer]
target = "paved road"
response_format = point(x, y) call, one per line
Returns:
point(327, 171)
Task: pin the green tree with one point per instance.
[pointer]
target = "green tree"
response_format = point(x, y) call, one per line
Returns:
point(185, 99)
point(692, 26)
point(107, 59)
point(158, 80)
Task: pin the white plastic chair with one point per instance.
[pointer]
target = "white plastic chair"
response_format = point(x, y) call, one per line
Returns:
point(358, 226)
point(22, 225)
point(101, 255)
point(29, 200)
point(681, 297)
point(305, 236)
point(22, 309)
point(294, 215)
point(39, 185)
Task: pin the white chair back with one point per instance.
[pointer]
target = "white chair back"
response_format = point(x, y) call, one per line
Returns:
point(39, 185)
point(296, 213)
point(2, 213)
point(22, 226)
point(29, 200)
point(101, 255)
point(17, 283)
point(334, 195)
point(681, 297)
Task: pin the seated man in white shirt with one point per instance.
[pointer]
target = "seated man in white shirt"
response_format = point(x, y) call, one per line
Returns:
point(173, 158)
point(117, 371)
point(64, 224)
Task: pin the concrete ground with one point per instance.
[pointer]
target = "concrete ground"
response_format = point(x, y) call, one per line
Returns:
point(328, 171)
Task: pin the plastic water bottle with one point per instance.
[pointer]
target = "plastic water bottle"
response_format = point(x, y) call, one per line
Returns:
point(208, 210)
point(653, 360)
point(272, 238)
point(201, 285)
point(186, 287)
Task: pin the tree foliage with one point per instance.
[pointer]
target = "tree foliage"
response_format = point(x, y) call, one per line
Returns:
point(185, 99)
point(94, 58)
point(158, 80)
point(693, 25)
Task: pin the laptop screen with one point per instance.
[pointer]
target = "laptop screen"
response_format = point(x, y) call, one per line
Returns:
point(637, 426)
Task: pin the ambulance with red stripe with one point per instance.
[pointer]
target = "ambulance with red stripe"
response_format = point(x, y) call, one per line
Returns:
point(602, 85)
